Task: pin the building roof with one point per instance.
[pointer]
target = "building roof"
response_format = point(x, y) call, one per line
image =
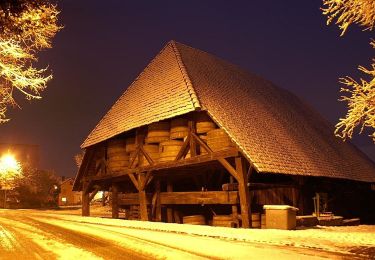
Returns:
point(278, 132)
point(68, 180)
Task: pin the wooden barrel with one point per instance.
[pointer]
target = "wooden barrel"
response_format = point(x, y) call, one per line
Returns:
point(223, 221)
point(130, 144)
point(263, 221)
point(255, 220)
point(218, 139)
point(204, 124)
point(169, 150)
point(153, 151)
point(118, 158)
point(194, 220)
point(116, 146)
point(179, 128)
point(158, 132)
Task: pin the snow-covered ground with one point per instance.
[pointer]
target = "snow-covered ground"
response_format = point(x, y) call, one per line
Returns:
point(350, 239)
point(116, 238)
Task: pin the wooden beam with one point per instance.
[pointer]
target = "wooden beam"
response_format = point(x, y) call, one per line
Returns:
point(199, 198)
point(139, 140)
point(186, 198)
point(157, 202)
point(83, 170)
point(234, 207)
point(169, 209)
point(184, 148)
point(143, 205)
point(193, 146)
point(149, 179)
point(201, 143)
point(146, 155)
point(243, 192)
point(176, 216)
point(85, 199)
point(99, 167)
point(232, 152)
point(145, 180)
point(115, 201)
point(94, 192)
point(132, 164)
point(142, 198)
point(134, 180)
point(104, 198)
point(230, 169)
point(133, 199)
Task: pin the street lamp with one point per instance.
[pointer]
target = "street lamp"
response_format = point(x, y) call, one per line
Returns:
point(10, 169)
point(9, 164)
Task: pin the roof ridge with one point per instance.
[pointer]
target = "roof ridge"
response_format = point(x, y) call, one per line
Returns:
point(185, 75)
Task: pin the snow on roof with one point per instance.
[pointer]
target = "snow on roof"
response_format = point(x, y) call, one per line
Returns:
point(277, 132)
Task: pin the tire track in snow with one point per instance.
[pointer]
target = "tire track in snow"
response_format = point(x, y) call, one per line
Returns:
point(91, 243)
point(17, 245)
point(201, 247)
point(143, 246)
point(36, 244)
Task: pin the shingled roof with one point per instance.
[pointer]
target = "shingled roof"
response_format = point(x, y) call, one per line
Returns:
point(273, 128)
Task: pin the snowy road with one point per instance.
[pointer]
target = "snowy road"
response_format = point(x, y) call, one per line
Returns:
point(29, 234)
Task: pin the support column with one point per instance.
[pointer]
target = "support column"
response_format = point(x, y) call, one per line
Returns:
point(142, 198)
point(143, 205)
point(169, 209)
point(193, 146)
point(158, 205)
point(85, 199)
point(115, 208)
point(234, 207)
point(103, 198)
point(243, 192)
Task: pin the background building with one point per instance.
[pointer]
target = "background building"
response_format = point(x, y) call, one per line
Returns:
point(67, 196)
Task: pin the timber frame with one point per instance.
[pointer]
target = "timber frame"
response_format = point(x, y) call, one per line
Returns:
point(291, 165)
point(141, 177)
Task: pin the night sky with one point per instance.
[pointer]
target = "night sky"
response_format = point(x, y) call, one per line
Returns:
point(106, 44)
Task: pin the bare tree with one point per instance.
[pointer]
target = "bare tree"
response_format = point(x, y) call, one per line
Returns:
point(26, 28)
point(358, 94)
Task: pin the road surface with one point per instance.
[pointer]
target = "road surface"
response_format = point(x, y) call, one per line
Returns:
point(31, 234)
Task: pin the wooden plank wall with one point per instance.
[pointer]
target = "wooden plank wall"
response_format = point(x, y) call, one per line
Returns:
point(276, 196)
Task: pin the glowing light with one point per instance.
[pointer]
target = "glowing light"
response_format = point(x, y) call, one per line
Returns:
point(9, 164)
point(63, 199)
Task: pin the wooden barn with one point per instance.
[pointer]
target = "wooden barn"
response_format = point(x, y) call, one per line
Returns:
point(195, 139)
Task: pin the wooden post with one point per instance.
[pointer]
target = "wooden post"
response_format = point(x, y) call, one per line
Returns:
point(158, 205)
point(193, 146)
point(115, 208)
point(294, 196)
point(177, 217)
point(142, 197)
point(103, 198)
point(143, 205)
point(169, 209)
point(234, 207)
point(301, 195)
point(85, 199)
point(139, 140)
point(243, 192)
